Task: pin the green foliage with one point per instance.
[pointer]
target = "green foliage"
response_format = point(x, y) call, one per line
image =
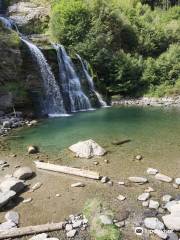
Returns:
point(126, 43)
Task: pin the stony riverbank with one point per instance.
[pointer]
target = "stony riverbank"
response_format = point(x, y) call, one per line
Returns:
point(12, 121)
point(143, 203)
point(147, 101)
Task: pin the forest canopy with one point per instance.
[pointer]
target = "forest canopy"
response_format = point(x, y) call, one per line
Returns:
point(131, 45)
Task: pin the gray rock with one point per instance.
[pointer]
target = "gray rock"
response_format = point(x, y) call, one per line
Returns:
point(71, 233)
point(144, 196)
point(149, 213)
point(32, 150)
point(12, 217)
point(106, 220)
point(153, 223)
point(5, 197)
point(170, 204)
point(161, 234)
point(77, 224)
point(68, 227)
point(145, 203)
point(139, 157)
point(163, 178)
point(167, 198)
point(153, 204)
point(23, 173)
point(7, 226)
point(140, 180)
point(177, 181)
point(12, 184)
point(104, 179)
point(172, 236)
point(41, 236)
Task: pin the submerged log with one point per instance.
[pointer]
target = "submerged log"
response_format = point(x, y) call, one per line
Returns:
point(121, 142)
point(68, 170)
point(31, 230)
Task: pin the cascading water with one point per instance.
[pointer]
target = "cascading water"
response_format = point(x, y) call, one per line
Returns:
point(53, 102)
point(90, 82)
point(7, 23)
point(70, 83)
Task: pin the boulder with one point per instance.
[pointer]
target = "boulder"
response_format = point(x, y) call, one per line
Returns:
point(161, 234)
point(153, 223)
point(7, 226)
point(23, 173)
point(5, 197)
point(167, 198)
point(12, 184)
point(7, 124)
point(41, 236)
point(163, 178)
point(71, 233)
point(140, 180)
point(87, 149)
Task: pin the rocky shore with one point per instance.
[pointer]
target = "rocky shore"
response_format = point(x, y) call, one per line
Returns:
point(147, 101)
point(13, 120)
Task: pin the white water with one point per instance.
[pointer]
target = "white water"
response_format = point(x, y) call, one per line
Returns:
point(70, 83)
point(53, 101)
point(7, 23)
point(91, 82)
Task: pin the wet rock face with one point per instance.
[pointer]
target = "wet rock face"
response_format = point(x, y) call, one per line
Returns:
point(30, 17)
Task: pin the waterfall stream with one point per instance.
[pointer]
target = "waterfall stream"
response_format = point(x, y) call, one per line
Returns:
point(70, 82)
point(91, 82)
point(53, 102)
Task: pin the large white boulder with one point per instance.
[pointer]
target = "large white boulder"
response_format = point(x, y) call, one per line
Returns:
point(12, 184)
point(87, 149)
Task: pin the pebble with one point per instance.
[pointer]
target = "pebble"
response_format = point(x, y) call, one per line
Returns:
point(149, 189)
point(27, 200)
point(77, 224)
point(153, 223)
point(36, 186)
point(104, 179)
point(140, 180)
point(96, 163)
point(71, 233)
point(121, 198)
point(121, 183)
point(175, 185)
point(58, 195)
point(78, 184)
point(145, 203)
point(68, 227)
point(144, 196)
point(177, 181)
point(167, 198)
point(153, 204)
point(139, 157)
point(12, 216)
point(120, 224)
point(161, 234)
point(163, 178)
point(152, 171)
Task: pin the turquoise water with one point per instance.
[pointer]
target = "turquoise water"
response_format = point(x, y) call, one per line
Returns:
point(150, 129)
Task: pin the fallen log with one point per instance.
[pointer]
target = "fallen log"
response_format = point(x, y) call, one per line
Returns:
point(68, 170)
point(31, 230)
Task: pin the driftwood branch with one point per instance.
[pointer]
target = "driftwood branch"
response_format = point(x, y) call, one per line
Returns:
point(31, 230)
point(68, 170)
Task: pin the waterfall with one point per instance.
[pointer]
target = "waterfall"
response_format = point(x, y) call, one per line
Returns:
point(7, 23)
point(91, 83)
point(53, 102)
point(70, 83)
